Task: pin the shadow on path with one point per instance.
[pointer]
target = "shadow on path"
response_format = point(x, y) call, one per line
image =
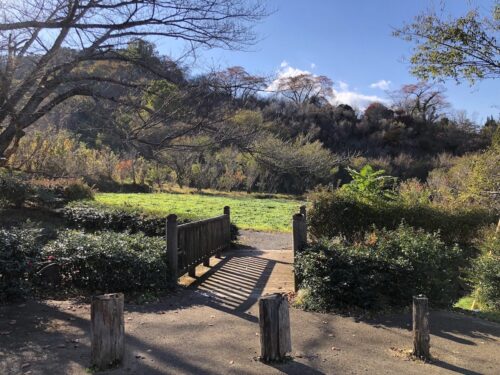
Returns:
point(235, 283)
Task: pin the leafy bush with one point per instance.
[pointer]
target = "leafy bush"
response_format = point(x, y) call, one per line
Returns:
point(19, 250)
point(370, 184)
point(386, 269)
point(336, 213)
point(92, 217)
point(110, 262)
point(485, 273)
point(14, 190)
point(78, 190)
point(57, 192)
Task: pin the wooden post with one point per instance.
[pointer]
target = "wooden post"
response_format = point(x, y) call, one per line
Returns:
point(192, 272)
point(274, 322)
point(303, 212)
point(299, 239)
point(172, 247)
point(227, 211)
point(227, 230)
point(107, 330)
point(421, 336)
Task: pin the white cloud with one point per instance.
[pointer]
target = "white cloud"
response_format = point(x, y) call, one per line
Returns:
point(313, 65)
point(342, 94)
point(382, 84)
point(356, 99)
point(285, 70)
point(343, 86)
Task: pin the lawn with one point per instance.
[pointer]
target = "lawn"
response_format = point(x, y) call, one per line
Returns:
point(248, 211)
point(466, 303)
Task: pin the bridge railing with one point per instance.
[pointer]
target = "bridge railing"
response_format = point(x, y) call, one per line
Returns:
point(191, 244)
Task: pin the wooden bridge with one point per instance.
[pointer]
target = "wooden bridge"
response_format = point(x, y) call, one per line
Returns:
point(200, 256)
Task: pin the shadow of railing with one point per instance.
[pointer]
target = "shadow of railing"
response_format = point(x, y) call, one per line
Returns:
point(235, 283)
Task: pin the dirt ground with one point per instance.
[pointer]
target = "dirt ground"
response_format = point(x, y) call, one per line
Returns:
point(211, 327)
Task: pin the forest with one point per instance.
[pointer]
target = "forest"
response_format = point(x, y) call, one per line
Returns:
point(226, 130)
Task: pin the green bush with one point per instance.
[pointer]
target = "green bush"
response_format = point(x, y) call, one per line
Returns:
point(110, 262)
point(14, 190)
point(337, 213)
point(386, 269)
point(92, 218)
point(78, 190)
point(485, 273)
point(19, 251)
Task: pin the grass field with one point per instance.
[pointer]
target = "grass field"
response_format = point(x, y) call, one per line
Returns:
point(466, 303)
point(247, 211)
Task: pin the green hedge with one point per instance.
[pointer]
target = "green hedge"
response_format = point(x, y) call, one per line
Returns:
point(109, 261)
point(386, 269)
point(95, 218)
point(336, 213)
point(485, 272)
point(17, 189)
point(19, 252)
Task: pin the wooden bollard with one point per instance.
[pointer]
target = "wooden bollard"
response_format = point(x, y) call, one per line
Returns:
point(421, 335)
point(172, 247)
point(107, 330)
point(274, 322)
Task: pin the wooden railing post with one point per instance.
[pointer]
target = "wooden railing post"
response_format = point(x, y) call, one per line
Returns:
point(172, 247)
point(299, 226)
point(303, 212)
point(227, 230)
point(274, 322)
point(107, 330)
point(421, 336)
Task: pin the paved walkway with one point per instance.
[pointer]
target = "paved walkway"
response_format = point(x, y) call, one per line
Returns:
point(211, 327)
point(235, 282)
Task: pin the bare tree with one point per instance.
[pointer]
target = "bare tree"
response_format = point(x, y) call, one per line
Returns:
point(422, 100)
point(305, 87)
point(45, 47)
point(237, 83)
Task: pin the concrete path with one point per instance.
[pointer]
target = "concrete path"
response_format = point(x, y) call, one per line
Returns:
point(211, 327)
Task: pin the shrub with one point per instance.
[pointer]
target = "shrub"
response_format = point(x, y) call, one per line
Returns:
point(110, 262)
point(19, 250)
point(485, 273)
point(93, 217)
point(386, 269)
point(57, 192)
point(336, 213)
point(78, 190)
point(14, 190)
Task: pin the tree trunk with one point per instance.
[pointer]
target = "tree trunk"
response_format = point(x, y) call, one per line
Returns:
point(7, 138)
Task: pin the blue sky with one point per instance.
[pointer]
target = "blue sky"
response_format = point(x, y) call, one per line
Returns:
point(350, 42)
